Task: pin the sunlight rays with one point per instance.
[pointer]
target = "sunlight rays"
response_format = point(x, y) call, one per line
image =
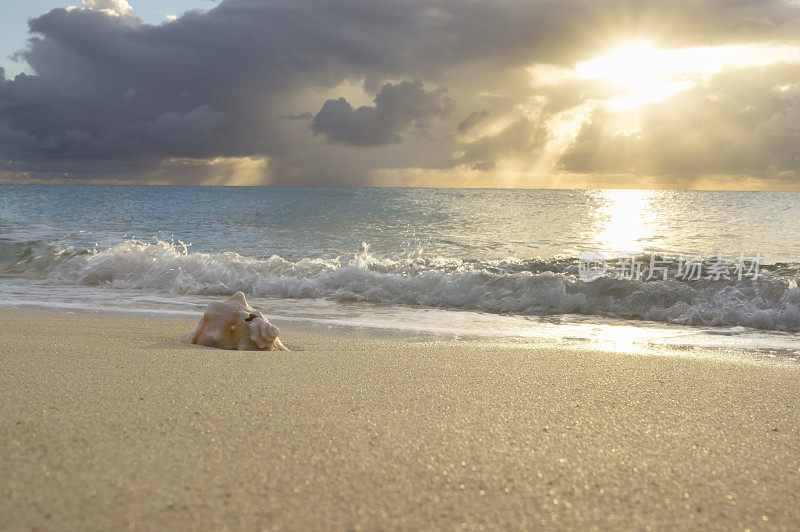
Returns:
point(644, 74)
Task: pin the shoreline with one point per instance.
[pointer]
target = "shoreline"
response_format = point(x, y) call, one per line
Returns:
point(111, 421)
point(402, 323)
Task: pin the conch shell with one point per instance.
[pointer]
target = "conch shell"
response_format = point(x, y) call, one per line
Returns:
point(233, 324)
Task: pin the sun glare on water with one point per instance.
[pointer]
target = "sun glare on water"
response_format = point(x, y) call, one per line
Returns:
point(624, 220)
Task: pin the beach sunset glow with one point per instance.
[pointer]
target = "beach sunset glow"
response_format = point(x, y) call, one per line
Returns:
point(400, 265)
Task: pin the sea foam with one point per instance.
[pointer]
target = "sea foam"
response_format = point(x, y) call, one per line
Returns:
point(512, 286)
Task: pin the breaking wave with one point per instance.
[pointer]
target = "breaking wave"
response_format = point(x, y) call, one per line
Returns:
point(527, 287)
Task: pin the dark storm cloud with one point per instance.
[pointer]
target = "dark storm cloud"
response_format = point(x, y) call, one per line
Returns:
point(397, 108)
point(112, 96)
point(298, 116)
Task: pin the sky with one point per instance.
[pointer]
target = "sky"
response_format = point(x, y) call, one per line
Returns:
point(14, 17)
point(675, 94)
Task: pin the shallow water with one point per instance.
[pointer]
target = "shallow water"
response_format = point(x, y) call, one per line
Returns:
point(501, 262)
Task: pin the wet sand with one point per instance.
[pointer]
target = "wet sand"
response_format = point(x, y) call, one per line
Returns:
point(111, 422)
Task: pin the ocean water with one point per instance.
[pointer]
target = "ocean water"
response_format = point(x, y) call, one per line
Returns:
point(455, 261)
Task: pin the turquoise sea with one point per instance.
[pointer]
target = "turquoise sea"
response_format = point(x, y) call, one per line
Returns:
point(451, 261)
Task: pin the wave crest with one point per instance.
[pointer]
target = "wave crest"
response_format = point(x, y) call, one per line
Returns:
point(514, 286)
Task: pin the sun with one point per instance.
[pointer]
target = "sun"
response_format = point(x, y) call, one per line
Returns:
point(639, 64)
point(643, 74)
point(632, 65)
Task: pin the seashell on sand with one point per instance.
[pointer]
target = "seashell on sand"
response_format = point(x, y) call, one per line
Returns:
point(233, 324)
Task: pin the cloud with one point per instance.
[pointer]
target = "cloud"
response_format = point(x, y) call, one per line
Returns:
point(397, 109)
point(473, 119)
point(185, 135)
point(744, 122)
point(119, 8)
point(111, 96)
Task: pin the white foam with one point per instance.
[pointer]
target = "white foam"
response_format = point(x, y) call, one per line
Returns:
point(510, 287)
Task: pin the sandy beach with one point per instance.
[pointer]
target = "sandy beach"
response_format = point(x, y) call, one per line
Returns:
point(111, 422)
